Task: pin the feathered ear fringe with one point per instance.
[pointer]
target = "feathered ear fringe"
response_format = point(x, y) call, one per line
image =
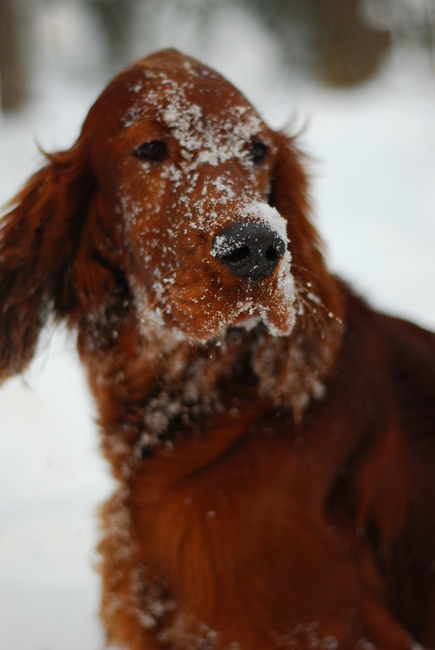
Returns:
point(291, 369)
point(49, 255)
point(36, 239)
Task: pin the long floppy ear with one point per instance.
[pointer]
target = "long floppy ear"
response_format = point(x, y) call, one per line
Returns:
point(302, 360)
point(290, 197)
point(45, 265)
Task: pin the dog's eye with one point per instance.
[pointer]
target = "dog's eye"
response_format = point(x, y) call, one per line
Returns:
point(154, 150)
point(257, 151)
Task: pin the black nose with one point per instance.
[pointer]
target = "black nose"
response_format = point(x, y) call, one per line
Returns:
point(250, 249)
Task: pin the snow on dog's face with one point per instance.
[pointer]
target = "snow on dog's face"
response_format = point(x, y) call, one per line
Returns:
point(177, 205)
point(190, 168)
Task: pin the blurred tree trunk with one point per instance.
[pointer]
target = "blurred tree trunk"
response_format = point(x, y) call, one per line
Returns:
point(13, 78)
point(350, 50)
point(116, 17)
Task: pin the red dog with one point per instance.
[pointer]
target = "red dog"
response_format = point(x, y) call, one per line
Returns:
point(273, 437)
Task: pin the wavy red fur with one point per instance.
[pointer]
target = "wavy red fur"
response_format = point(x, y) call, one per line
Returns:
point(273, 437)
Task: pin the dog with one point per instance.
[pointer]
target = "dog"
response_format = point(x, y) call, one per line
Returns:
point(272, 435)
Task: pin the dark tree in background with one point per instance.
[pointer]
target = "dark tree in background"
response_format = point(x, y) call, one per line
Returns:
point(331, 37)
point(13, 74)
point(350, 50)
point(116, 19)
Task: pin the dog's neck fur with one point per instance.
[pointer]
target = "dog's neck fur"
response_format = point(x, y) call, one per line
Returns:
point(172, 384)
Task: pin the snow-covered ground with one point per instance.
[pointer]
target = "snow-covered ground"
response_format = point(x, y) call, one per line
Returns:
point(373, 171)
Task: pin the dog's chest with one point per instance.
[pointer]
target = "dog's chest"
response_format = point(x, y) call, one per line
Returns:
point(224, 514)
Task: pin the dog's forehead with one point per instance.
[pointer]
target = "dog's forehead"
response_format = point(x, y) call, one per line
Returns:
point(212, 120)
point(188, 90)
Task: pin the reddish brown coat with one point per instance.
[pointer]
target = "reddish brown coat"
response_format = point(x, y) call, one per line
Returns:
point(276, 491)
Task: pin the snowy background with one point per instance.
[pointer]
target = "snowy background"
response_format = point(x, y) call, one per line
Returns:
point(373, 188)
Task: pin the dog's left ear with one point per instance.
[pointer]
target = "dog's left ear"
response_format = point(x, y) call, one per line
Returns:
point(289, 195)
point(54, 255)
point(303, 359)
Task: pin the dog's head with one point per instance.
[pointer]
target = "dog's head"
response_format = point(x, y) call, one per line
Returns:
point(187, 166)
point(178, 196)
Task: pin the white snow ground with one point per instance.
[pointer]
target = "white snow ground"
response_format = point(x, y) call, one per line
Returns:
point(374, 195)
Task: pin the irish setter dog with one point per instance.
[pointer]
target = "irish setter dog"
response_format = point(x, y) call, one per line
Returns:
point(272, 436)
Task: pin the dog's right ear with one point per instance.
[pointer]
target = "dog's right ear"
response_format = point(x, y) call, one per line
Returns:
point(38, 239)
